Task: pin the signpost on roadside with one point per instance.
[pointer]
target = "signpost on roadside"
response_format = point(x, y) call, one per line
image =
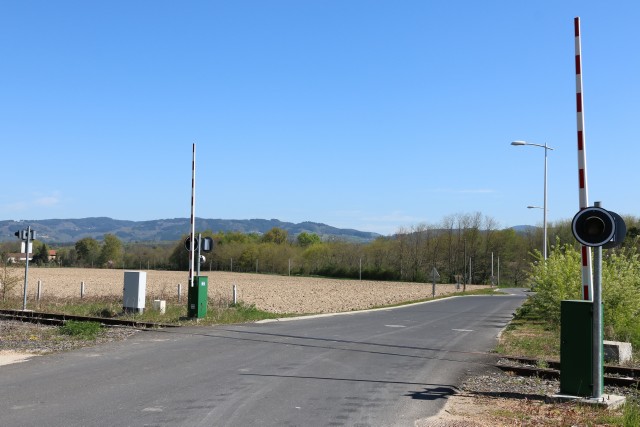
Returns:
point(26, 235)
point(435, 276)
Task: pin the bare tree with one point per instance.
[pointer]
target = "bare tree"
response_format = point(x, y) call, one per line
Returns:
point(9, 277)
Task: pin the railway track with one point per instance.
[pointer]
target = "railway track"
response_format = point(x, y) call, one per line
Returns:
point(60, 319)
point(614, 375)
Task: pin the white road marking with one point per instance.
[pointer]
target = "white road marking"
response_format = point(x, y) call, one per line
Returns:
point(463, 330)
point(395, 326)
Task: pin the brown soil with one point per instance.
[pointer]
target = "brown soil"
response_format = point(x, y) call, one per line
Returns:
point(278, 294)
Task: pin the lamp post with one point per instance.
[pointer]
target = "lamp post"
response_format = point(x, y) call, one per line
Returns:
point(545, 228)
point(544, 209)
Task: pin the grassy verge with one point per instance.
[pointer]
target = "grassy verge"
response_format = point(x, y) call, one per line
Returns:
point(81, 330)
point(483, 291)
point(530, 335)
point(42, 339)
point(218, 312)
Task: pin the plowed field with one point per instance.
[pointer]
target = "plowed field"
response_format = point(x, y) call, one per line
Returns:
point(279, 294)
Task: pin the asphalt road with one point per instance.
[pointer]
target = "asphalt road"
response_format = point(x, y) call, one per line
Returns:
point(388, 367)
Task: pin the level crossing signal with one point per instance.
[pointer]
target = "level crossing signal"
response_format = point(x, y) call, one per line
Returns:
point(207, 244)
point(25, 234)
point(595, 226)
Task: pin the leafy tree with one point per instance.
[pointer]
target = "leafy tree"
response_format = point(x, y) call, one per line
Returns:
point(275, 235)
point(179, 258)
point(111, 253)
point(305, 239)
point(67, 257)
point(151, 255)
point(88, 250)
point(621, 295)
point(378, 260)
point(223, 237)
point(560, 279)
point(41, 256)
point(247, 260)
point(557, 279)
point(316, 257)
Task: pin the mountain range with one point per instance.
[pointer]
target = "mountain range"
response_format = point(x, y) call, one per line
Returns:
point(160, 230)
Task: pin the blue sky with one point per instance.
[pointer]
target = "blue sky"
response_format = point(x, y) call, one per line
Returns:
point(370, 115)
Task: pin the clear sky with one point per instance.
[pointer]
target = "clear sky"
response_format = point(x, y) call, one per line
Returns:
point(365, 114)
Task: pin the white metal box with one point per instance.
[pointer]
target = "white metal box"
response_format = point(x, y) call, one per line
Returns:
point(135, 289)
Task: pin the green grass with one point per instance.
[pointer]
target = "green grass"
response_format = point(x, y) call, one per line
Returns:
point(631, 413)
point(529, 335)
point(81, 330)
point(240, 313)
point(218, 311)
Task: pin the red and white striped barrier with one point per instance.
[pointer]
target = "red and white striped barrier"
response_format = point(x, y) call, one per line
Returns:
point(587, 284)
point(193, 211)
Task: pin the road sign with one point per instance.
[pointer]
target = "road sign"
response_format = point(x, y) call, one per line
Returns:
point(434, 274)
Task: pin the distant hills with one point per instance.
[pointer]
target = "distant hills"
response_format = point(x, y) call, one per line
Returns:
point(72, 230)
point(524, 228)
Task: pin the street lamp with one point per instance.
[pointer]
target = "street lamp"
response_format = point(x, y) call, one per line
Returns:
point(545, 236)
point(544, 209)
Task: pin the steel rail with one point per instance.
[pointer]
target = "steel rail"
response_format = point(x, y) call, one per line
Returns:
point(59, 319)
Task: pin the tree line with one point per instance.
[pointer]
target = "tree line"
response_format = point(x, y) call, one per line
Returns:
point(467, 248)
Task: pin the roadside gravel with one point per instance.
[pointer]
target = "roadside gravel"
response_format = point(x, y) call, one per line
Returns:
point(20, 337)
point(496, 398)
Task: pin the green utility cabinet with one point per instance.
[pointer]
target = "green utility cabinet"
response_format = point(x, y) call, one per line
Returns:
point(576, 348)
point(197, 297)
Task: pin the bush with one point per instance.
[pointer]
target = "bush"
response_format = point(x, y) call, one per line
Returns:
point(621, 295)
point(556, 280)
point(560, 279)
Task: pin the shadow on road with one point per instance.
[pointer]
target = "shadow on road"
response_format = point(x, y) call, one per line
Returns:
point(438, 387)
point(433, 393)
